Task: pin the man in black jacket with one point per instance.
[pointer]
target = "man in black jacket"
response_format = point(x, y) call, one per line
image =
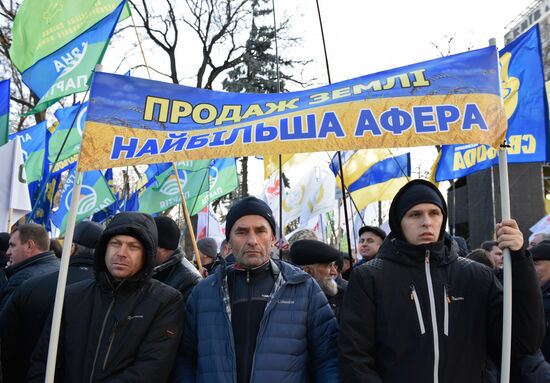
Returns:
point(30, 256)
point(24, 316)
point(172, 268)
point(123, 325)
point(418, 312)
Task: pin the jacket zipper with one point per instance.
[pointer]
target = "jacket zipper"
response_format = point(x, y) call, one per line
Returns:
point(433, 315)
point(446, 300)
point(111, 340)
point(100, 337)
point(414, 298)
point(273, 298)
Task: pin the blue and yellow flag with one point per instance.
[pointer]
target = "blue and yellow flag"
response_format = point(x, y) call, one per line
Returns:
point(4, 111)
point(453, 99)
point(372, 175)
point(525, 103)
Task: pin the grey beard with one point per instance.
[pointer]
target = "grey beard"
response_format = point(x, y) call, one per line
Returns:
point(329, 287)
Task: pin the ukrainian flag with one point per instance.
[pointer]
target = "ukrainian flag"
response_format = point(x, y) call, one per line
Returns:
point(372, 175)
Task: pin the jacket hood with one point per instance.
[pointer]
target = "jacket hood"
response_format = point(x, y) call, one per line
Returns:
point(134, 224)
point(413, 193)
point(441, 253)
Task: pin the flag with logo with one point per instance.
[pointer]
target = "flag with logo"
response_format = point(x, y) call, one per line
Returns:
point(526, 107)
point(375, 176)
point(95, 195)
point(68, 70)
point(33, 143)
point(4, 111)
point(200, 186)
point(42, 26)
point(64, 144)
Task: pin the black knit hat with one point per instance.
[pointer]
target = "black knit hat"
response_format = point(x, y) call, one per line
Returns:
point(168, 233)
point(208, 247)
point(87, 233)
point(541, 252)
point(413, 193)
point(310, 251)
point(4, 241)
point(248, 206)
point(373, 229)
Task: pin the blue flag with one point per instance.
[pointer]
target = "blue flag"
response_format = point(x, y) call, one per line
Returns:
point(523, 90)
point(4, 111)
point(95, 195)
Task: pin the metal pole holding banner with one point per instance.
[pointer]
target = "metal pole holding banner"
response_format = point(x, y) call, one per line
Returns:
point(507, 267)
point(340, 164)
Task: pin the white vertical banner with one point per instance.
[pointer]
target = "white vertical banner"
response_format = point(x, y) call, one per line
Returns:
point(15, 201)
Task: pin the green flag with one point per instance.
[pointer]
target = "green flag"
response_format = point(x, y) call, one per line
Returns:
point(43, 26)
point(200, 187)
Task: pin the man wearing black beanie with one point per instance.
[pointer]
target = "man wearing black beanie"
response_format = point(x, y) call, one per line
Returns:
point(171, 266)
point(244, 314)
point(435, 315)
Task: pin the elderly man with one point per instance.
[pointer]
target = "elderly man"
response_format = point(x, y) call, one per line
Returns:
point(123, 325)
point(259, 320)
point(319, 260)
point(419, 312)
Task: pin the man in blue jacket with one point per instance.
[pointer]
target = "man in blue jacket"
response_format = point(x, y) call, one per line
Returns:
point(259, 320)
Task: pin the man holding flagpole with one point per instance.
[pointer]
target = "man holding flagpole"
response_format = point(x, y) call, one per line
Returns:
point(123, 325)
point(418, 312)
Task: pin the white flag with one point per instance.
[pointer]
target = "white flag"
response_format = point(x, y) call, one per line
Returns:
point(14, 193)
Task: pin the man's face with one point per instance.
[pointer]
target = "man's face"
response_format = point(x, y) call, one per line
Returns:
point(369, 243)
point(543, 271)
point(251, 239)
point(422, 224)
point(124, 256)
point(17, 251)
point(324, 274)
point(496, 254)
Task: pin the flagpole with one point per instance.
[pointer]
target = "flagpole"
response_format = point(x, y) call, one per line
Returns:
point(342, 182)
point(280, 155)
point(507, 261)
point(187, 218)
point(62, 280)
point(184, 203)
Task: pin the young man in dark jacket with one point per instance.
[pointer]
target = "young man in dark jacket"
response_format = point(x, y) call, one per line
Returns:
point(258, 320)
point(418, 312)
point(24, 316)
point(172, 268)
point(123, 325)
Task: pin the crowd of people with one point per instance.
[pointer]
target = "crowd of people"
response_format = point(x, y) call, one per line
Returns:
point(417, 307)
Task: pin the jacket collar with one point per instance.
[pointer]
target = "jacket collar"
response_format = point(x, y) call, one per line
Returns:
point(38, 258)
point(441, 252)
